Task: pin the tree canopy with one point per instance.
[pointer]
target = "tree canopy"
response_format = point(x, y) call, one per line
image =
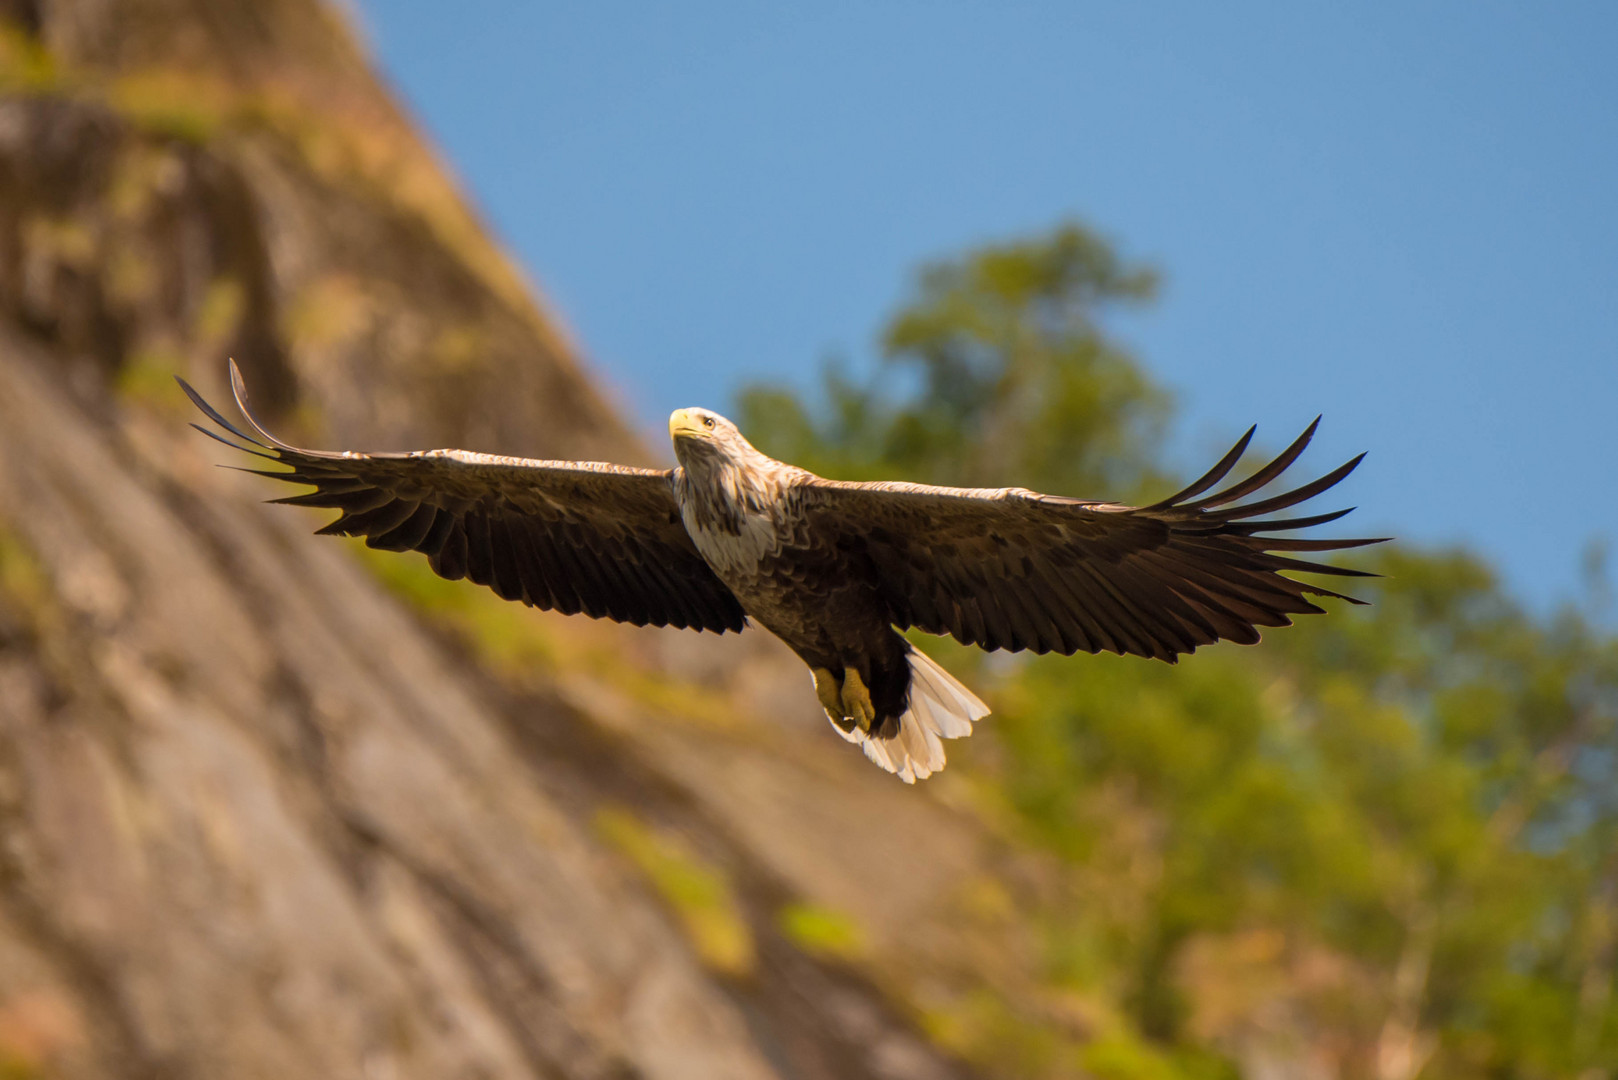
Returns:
point(1383, 843)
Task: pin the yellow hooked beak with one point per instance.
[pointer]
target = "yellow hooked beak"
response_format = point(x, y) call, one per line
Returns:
point(684, 423)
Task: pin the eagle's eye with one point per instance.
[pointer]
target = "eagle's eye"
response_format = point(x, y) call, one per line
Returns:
point(707, 421)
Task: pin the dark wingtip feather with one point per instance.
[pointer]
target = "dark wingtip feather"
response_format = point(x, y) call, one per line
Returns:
point(1290, 543)
point(238, 389)
point(1284, 524)
point(1299, 494)
point(214, 435)
point(1282, 562)
point(274, 474)
point(1212, 476)
point(1282, 462)
point(213, 414)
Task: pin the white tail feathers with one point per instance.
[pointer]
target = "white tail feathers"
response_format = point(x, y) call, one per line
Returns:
point(940, 708)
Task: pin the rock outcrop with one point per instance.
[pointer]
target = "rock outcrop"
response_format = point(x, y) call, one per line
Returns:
point(262, 814)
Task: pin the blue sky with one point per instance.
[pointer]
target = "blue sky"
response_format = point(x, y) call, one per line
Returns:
point(1402, 216)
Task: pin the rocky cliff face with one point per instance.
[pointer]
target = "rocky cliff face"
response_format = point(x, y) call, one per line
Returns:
point(271, 808)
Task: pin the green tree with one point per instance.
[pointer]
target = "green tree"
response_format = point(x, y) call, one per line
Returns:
point(1015, 380)
point(1396, 826)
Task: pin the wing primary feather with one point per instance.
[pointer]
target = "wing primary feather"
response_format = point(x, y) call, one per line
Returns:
point(1315, 590)
point(213, 414)
point(1283, 524)
point(291, 476)
point(214, 435)
point(1298, 495)
point(1298, 543)
point(1281, 562)
point(353, 500)
point(1264, 475)
point(238, 390)
point(1212, 476)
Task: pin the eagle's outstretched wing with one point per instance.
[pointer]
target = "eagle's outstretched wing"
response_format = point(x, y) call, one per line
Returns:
point(577, 536)
point(1013, 569)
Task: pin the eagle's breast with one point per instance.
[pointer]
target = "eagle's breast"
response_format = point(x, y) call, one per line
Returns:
point(735, 555)
point(736, 517)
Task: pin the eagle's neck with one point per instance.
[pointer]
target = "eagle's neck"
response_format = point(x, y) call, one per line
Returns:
point(730, 494)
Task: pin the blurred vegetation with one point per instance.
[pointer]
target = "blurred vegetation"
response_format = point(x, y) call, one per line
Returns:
point(1013, 377)
point(346, 143)
point(822, 931)
point(694, 889)
point(1384, 842)
point(525, 648)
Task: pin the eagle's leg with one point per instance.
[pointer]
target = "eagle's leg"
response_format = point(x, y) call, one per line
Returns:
point(828, 692)
point(857, 700)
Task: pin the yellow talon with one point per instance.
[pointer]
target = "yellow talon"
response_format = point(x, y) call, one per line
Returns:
point(857, 700)
point(826, 691)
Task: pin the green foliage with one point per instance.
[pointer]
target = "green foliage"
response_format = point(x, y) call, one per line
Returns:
point(1396, 825)
point(147, 377)
point(173, 105)
point(822, 931)
point(523, 646)
point(22, 580)
point(497, 631)
point(1018, 384)
point(25, 64)
point(18, 1067)
point(694, 889)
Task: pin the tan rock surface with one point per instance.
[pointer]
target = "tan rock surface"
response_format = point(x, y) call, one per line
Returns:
point(258, 817)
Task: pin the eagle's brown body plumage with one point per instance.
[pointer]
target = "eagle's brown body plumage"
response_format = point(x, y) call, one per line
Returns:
point(744, 512)
point(836, 569)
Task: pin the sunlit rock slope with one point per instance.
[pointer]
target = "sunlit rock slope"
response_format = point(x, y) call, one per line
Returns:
point(273, 807)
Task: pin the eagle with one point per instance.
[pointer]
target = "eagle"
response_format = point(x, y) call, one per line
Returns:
point(835, 569)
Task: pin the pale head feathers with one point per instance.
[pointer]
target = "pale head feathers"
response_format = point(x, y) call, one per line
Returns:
point(724, 484)
point(702, 434)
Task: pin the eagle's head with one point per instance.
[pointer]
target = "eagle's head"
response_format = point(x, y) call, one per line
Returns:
point(722, 481)
point(703, 437)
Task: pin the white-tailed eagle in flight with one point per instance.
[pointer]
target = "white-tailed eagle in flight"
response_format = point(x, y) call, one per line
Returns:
point(835, 569)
